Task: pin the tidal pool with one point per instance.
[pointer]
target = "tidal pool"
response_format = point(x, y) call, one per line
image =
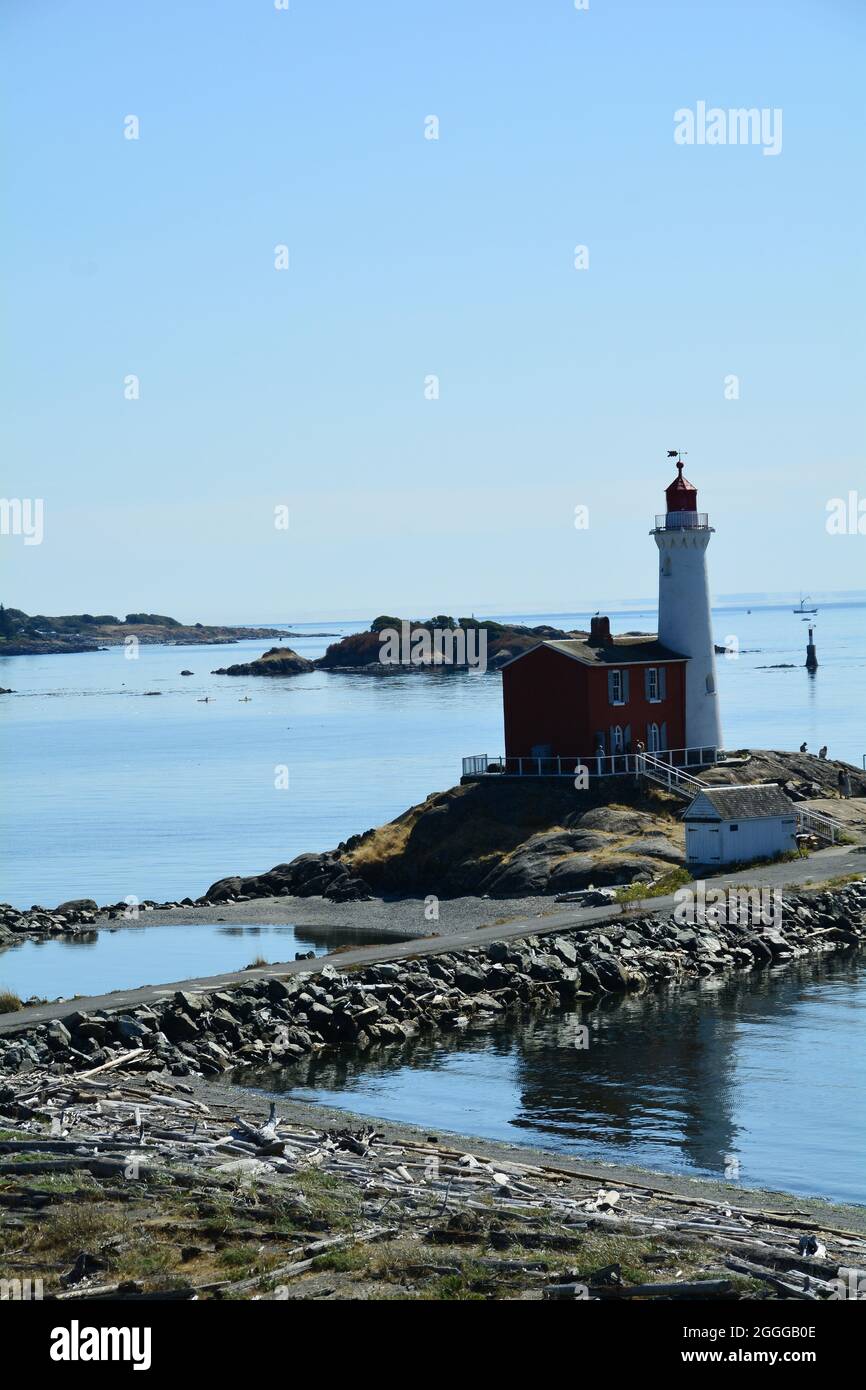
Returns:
point(128, 956)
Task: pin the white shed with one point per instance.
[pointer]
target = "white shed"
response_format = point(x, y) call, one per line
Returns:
point(730, 825)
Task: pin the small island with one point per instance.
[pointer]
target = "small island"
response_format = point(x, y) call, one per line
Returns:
point(361, 653)
point(23, 634)
point(279, 661)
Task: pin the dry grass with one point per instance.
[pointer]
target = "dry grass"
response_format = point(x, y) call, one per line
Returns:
point(387, 842)
point(9, 1002)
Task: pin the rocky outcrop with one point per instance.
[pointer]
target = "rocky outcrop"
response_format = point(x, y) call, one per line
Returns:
point(501, 839)
point(307, 876)
point(69, 919)
point(278, 1021)
point(78, 917)
point(802, 776)
point(279, 661)
point(511, 838)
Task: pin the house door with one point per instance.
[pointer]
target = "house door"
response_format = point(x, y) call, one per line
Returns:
point(703, 844)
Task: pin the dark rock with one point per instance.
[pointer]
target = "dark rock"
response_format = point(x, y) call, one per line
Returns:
point(58, 1034)
point(129, 1030)
point(179, 1027)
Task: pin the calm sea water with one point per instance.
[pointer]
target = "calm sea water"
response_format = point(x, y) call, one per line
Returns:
point(758, 1078)
point(129, 956)
point(110, 792)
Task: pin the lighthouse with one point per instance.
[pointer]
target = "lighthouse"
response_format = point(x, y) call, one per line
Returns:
point(682, 535)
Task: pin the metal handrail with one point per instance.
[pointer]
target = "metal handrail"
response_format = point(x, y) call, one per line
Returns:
point(668, 776)
point(820, 824)
point(595, 764)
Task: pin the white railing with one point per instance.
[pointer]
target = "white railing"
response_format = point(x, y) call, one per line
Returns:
point(682, 521)
point(596, 765)
point(473, 767)
point(667, 776)
point(821, 826)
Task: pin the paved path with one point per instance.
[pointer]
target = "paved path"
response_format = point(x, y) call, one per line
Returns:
point(825, 864)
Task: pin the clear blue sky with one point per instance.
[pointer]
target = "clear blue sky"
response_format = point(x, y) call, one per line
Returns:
point(411, 257)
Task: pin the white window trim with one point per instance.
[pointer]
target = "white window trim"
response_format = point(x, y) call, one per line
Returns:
point(654, 672)
point(618, 677)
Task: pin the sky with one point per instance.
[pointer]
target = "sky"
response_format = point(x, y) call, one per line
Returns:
point(432, 386)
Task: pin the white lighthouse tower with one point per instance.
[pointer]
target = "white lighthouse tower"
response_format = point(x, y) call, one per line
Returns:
point(682, 535)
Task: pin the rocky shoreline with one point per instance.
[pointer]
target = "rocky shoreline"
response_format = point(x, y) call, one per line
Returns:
point(273, 1021)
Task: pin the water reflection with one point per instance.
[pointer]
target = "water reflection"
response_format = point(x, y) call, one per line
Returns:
point(766, 1069)
point(128, 955)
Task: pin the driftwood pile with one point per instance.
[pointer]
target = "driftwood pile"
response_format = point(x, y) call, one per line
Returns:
point(530, 1227)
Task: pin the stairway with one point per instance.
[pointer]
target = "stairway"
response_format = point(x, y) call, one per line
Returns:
point(672, 778)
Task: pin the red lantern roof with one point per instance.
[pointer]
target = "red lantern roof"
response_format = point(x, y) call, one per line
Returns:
point(681, 495)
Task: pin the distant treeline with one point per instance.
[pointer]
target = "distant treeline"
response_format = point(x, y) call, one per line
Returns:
point(15, 623)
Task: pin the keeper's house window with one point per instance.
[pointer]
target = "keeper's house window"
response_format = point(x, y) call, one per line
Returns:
point(655, 684)
point(617, 687)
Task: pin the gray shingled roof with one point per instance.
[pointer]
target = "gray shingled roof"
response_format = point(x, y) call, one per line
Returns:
point(618, 652)
point(748, 802)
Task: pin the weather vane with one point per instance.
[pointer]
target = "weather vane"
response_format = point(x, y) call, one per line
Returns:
point(678, 455)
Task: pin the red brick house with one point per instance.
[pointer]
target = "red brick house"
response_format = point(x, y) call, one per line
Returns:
point(601, 695)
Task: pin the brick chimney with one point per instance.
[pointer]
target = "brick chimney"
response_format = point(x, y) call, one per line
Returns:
point(599, 632)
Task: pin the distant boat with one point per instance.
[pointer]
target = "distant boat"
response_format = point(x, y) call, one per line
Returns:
point(802, 607)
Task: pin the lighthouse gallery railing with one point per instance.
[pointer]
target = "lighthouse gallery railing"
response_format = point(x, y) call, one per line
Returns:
point(682, 521)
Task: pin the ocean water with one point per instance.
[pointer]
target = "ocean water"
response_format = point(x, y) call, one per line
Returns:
point(124, 957)
point(109, 792)
point(754, 1078)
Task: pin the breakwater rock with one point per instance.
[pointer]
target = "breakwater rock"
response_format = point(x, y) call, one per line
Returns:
point(277, 1021)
